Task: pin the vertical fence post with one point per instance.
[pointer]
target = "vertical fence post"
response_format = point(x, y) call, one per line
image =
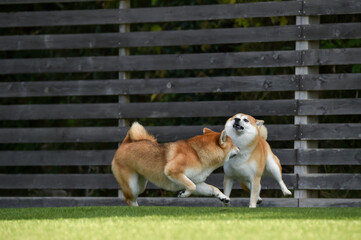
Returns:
point(123, 75)
point(302, 95)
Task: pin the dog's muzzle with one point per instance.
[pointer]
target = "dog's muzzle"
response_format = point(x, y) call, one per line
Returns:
point(237, 126)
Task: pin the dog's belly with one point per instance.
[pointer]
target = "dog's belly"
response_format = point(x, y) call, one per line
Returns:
point(240, 168)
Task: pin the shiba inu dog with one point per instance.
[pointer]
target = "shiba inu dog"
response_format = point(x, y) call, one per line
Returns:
point(254, 159)
point(181, 165)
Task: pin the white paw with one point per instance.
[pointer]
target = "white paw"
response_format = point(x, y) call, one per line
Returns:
point(287, 193)
point(184, 194)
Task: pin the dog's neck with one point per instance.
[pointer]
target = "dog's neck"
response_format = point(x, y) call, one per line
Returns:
point(246, 141)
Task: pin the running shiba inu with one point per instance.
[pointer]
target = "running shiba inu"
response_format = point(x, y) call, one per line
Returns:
point(182, 165)
point(255, 157)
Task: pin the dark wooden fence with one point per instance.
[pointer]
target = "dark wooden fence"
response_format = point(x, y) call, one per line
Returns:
point(305, 81)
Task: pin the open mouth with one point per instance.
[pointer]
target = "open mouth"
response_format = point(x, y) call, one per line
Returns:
point(237, 126)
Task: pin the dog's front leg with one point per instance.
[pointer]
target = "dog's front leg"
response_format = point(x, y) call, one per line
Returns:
point(255, 190)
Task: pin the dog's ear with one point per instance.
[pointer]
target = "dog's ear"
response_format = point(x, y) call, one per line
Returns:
point(259, 123)
point(223, 138)
point(207, 130)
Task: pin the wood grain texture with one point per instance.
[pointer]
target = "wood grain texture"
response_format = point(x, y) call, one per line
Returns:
point(150, 62)
point(149, 86)
point(115, 134)
point(148, 15)
point(330, 181)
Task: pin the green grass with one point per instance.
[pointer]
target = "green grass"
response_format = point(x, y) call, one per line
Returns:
point(180, 223)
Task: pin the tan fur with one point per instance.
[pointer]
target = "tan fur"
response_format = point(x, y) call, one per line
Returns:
point(255, 157)
point(173, 166)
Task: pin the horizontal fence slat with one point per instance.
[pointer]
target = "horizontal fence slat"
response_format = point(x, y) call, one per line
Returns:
point(331, 31)
point(116, 134)
point(150, 62)
point(148, 110)
point(89, 157)
point(180, 109)
point(144, 15)
point(149, 86)
point(280, 132)
point(57, 135)
point(43, 1)
point(342, 56)
point(181, 37)
point(104, 157)
point(181, 85)
point(324, 82)
point(150, 39)
point(349, 106)
point(332, 7)
point(25, 202)
point(57, 158)
point(330, 181)
point(329, 202)
point(182, 61)
point(329, 157)
point(345, 131)
point(105, 181)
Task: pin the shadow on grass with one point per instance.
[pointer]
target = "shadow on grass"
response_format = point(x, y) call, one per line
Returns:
point(186, 213)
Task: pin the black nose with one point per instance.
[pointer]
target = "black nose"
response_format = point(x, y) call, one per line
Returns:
point(237, 120)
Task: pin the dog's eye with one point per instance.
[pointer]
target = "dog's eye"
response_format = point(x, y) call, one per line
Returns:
point(245, 120)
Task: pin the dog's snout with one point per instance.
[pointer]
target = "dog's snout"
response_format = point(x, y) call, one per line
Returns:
point(237, 120)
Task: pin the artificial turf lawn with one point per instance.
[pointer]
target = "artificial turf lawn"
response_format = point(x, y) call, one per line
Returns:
point(180, 223)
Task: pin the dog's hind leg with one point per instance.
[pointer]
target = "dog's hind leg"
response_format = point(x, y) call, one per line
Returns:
point(125, 179)
point(205, 189)
point(177, 176)
point(274, 169)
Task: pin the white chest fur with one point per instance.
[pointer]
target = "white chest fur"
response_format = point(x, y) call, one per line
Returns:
point(239, 167)
point(198, 176)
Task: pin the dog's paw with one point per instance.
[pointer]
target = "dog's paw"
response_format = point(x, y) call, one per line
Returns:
point(287, 193)
point(259, 201)
point(225, 199)
point(184, 193)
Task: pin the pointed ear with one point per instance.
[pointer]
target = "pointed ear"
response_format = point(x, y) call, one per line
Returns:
point(259, 123)
point(207, 130)
point(223, 138)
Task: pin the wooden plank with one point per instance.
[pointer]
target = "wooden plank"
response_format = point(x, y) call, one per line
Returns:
point(324, 82)
point(349, 106)
point(42, 1)
point(57, 158)
point(333, 7)
point(149, 86)
point(105, 181)
point(330, 181)
point(148, 110)
point(181, 37)
point(342, 56)
point(114, 134)
point(345, 131)
point(331, 31)
point(90, 157)
point(54, 135)
point(150, 62)
point(150, 39)
point(26, 202)
point(144, 15)
point(329, 157)
point(330, 202)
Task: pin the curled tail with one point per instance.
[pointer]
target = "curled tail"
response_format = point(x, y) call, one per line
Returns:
point(136, 133)
point(263, 132)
